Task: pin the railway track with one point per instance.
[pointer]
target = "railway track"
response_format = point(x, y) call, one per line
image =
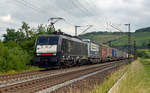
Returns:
point(6, 80)
point(50, 80)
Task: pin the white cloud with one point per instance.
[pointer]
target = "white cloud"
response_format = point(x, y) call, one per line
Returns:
point(76, 12)
point(104, 3)
point(6, 18)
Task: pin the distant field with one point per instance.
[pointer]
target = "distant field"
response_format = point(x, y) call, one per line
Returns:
point(119, 39)
point(141, 38)
point(102, 38)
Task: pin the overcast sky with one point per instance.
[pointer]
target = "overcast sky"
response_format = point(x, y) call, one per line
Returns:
point(75, 12)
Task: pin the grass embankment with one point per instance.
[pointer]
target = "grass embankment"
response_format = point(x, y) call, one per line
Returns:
point(110, 81)
point(29, 69)
point(136, 80)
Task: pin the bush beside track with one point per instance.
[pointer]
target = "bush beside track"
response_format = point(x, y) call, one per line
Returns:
point(143, 53)
point(17, 48)
point(13, 58)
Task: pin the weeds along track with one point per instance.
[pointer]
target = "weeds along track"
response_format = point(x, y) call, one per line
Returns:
point(38, 81)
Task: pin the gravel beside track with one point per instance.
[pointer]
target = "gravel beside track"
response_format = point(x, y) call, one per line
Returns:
point(87, 84)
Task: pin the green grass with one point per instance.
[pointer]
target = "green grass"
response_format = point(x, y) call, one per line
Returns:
point(137, 79)
point(146, 64)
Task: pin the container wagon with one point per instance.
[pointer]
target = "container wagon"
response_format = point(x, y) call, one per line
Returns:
point(93, 51)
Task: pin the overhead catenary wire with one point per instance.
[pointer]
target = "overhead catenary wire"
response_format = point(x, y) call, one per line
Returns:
point(67, 13)
point(26, 5)
point(90, 12)
point(93, 8)
point(36, 8)
point(89, 26)
point(77, 4)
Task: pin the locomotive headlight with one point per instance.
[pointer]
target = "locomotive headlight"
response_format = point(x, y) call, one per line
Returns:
point(38, 54)
point(54, 53)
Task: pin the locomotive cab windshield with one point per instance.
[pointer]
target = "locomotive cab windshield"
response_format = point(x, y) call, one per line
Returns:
point(46, 45)
point(53, 40)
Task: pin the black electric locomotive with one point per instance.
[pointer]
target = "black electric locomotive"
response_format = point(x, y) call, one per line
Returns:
point(57, 50)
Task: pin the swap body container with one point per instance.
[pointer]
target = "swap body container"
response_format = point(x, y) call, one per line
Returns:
point(114, 52)
point(109, 52)
point(93, 49)
point(103, 51)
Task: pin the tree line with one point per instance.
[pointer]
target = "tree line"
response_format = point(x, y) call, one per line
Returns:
point(17, 47)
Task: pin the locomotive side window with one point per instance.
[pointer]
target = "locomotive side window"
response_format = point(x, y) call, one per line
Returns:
point(64, 48)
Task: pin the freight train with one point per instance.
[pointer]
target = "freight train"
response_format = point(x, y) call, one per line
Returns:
point(65, 50)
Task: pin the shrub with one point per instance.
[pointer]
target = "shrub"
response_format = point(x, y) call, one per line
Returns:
point(144, 53)
point(13, 58)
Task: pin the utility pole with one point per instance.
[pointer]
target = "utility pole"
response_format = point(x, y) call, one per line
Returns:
point(76, 30)
point(110, 43)
point(53, 20)
point(134, 49)
point(129, 36)
point(129, 40)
